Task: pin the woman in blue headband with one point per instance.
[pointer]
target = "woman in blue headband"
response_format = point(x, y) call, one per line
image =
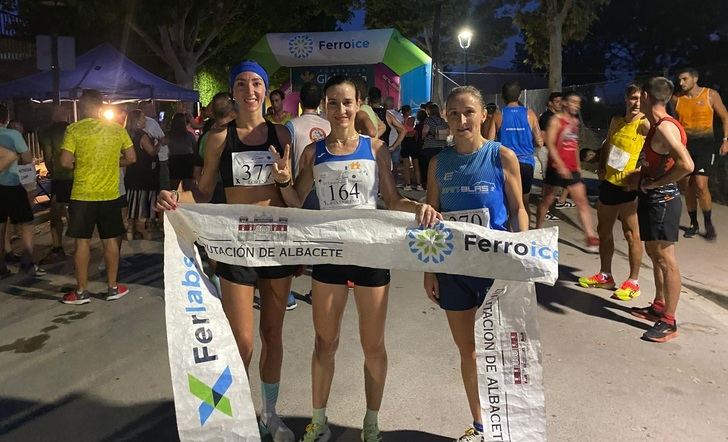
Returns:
point(239, 153)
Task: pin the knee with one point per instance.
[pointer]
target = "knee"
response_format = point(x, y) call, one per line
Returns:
point(373, 349)
point(271, 334)
point(325, 348)
point(630, 236)
point(466, 348)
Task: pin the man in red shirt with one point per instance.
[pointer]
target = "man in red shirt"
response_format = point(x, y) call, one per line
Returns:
point(664, 160)
point(564, 170)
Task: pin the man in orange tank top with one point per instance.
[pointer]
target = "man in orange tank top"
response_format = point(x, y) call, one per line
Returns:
point(694, 107)
point(664, 160)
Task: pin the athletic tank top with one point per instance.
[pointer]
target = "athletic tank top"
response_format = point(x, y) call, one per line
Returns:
point(696, 114)
point(372, 116)
point(245, 165)
point(655, 165)
point(346, 181)
point(473, 181)
point(382, 115)
point(567, 143)
point(515, 132)
point(625, 146)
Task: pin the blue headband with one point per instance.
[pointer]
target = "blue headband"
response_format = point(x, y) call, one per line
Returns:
point(248, 66)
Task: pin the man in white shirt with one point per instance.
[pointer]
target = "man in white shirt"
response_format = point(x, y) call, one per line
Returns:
point(309, 127)
point(156, 133)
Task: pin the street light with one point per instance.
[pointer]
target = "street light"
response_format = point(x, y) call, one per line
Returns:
point(464, 38)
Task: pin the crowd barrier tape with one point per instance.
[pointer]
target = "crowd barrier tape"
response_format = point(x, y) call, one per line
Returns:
point(211, 390)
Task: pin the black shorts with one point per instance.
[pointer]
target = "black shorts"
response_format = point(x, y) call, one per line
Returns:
point(249, 275)
point(526, 177)
point(613, 195)
point(84, 216)
point(181, 166)
point(659, 220)
point(553, 178)
point(410, 148)
point(61, 189)
point(703, 154)
point(460, 293)
point(339, 274)
point(14, 204)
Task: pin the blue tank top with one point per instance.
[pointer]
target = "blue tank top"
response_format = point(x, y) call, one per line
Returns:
point(515, 133)
point(346, 181)
point(473, 181)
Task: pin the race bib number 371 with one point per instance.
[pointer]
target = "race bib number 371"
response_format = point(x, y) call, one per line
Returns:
point(252, 168)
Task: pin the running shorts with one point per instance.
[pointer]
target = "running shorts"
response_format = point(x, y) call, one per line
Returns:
point(249, 275)
point(553, 178)
point(659, 220)
point(85, 216)
point(460, 293)
point(14, 204)
point(340, 274)
point(703, 154)
point(526, 177)
point(613, 195)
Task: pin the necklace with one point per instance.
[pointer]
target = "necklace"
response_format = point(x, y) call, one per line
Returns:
point(341, 142)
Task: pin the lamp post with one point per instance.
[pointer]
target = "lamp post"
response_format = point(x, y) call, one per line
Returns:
point(464, 38)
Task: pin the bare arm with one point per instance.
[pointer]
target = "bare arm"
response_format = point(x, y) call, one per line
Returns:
point(295, 195)
point(381, 127)
point(426, 215)
point(604, 154)
point(26, 157)
point(551, 132)
point(399, 127)
point(128, 158)
point(720, 109)
point(517, 214)
point(432, 287)
point(494, 125)
point(669, 137)
point(6, 158)
point(67, 159)
point(364, 124)
point(148, 146)
point(535, 129)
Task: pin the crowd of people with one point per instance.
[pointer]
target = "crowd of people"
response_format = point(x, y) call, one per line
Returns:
point(119, 179)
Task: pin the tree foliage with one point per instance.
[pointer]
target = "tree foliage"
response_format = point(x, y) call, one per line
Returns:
point(414, 19)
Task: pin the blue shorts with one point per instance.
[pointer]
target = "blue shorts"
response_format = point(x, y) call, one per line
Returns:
point(460, 293)
point(396, 156)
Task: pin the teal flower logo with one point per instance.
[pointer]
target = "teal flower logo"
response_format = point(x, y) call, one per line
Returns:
point(433, 244)
point(300, 46)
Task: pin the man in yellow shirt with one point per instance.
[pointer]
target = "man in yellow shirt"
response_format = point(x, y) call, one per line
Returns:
point(92, 147)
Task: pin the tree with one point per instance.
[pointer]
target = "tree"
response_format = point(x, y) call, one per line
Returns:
point(415, 20)
point(556, 22)
point(185, 35)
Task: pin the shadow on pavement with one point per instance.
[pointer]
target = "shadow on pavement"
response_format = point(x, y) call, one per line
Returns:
point(82, 417)
point(562, 295)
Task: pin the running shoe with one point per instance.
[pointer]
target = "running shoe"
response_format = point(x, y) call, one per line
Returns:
point(292, 304)
point(627, 291)
point(710, 234)
point(419, 187)
point(370, 433)
point(32, 269)
point(661, 332)
point(316, 433)
point(551, 217)
point(691, 231)
point(649, 313)
point(75, 298)
point(117, 292)
point(407, 187)
point(592, 244)
point(597, 281)
point(256, 302)
point(278, 431)
point(471, 435)
point(565, 205)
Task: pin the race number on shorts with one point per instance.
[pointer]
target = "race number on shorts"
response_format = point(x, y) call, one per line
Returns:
point(480, 216)
point(252, 168)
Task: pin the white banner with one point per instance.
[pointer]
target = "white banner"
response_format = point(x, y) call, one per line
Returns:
point(212, 395)
point(211, 391)
point(330, 48)
point(259, 236)
point(510, 377)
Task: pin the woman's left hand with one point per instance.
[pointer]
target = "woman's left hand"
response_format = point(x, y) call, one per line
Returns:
point(427, 216)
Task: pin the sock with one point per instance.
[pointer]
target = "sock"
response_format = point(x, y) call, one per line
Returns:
point(670, 319)
point(658, 305)
point(706, 217)
point(371, 417)
point(478, 426)
point(693, 217)
point(319, 416)
point(269, 398)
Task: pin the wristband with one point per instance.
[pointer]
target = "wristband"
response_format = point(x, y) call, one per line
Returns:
point(283, 185)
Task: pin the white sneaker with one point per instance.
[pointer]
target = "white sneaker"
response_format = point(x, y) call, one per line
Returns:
point(419, 187)
point(278, 430)
point(471, 435)
point(407, 188)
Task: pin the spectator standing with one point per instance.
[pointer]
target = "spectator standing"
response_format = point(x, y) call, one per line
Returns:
point(14, 203)
point(140, 179)
point(91, 147)
point(182, 152)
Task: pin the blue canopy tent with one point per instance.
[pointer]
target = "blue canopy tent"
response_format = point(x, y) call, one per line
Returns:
point(105, 69)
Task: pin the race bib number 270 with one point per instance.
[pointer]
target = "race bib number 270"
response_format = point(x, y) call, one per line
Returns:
point(480, 216)
point(252, 168)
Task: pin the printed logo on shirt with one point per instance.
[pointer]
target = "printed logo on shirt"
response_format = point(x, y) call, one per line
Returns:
point(316, 134)
point(479, 187)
